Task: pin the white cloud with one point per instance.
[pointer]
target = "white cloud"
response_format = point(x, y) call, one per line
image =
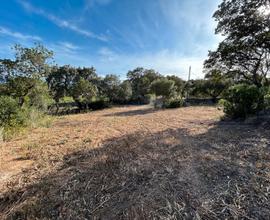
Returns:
point(109, 61)
point(68, 45)
point(107, 55)
point(61, 22)
point(18, 35)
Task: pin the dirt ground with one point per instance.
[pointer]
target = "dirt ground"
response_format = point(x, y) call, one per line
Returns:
point(135, 162)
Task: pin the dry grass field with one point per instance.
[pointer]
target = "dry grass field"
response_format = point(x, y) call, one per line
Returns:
point(138, 163)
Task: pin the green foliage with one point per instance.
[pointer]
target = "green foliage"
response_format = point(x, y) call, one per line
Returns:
point(110, 87)
point(179, 84)
point(83, 92)
point(124, 93)
point(10, 112)
point(148, 98)
point(12, 118)
point(215, 84)
point(244, 53)
point(196, 88)
point(66, 99)
point(39, 97)
point(163, 87)
point(99, 104)
point(22, 75)
point(174, 103)
point(140, 80)
point(37, 118)
point(242, 100)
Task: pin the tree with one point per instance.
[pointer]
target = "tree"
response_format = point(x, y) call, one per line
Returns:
point(22, 74)
point(140, 80)
point(110, 86)
point(82, 92)
point(196, 88)
point(178, 83)
point(60, 81)
point(124, 92)
point(244, 54)
point(215, 83)
point(163, 87)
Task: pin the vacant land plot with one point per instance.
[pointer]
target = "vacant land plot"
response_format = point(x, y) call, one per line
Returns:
point(138, 163)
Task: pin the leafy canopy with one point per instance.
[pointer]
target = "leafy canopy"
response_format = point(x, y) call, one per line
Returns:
point(244, 54)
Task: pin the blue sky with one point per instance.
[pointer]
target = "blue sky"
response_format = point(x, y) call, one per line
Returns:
point(115, 36)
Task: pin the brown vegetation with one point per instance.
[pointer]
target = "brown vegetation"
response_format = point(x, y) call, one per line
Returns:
point(138, 163)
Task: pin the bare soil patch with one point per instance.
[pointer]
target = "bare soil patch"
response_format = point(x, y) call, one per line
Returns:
point(138, 163)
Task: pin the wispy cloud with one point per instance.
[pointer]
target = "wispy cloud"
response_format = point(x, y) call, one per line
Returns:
point(68, 45)
point(109, 61)
point(18, 35)
point(61, 22)
point(107, 55)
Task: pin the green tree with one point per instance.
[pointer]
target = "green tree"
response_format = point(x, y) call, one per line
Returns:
point(22, 74)
point(124, 92)
point(60, 81)
point(245, 51)
point(140, 80)
point(215, 84)
point(110, 87)
point(163, 87)
point(83, 92)
point(179, 84)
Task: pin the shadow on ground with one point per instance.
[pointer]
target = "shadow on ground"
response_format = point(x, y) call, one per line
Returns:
point(223, 173)
point(136, 112)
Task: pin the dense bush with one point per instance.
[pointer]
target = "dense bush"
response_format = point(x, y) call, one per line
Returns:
point(99, 104)
point(174, 103)
point(10, 113)
point(163, 87)
point(242, 100)
point(12, 117)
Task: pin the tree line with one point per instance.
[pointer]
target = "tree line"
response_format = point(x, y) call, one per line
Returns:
point(237, 74)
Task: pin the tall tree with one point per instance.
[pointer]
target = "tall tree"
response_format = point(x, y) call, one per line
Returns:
point(60, 81)
point(140, 80)
point(178, 83)
point(22, 74)
point(244, 54)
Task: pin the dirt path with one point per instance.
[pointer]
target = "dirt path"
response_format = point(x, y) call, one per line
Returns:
point(138, 163)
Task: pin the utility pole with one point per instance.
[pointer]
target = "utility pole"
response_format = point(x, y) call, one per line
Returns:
point(189, 75)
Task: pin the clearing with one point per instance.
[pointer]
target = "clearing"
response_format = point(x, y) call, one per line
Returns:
point(135, 162)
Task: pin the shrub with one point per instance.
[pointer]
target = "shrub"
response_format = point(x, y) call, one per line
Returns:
point(242, 100)
point(99, 104)
point(37, 118)
point(174, 103)
point(10, 113)
point(12, 118)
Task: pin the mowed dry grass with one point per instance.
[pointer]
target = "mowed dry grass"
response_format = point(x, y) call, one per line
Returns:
point(138, 163)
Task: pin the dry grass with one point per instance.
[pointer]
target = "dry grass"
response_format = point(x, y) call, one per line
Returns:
point(138, 163)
